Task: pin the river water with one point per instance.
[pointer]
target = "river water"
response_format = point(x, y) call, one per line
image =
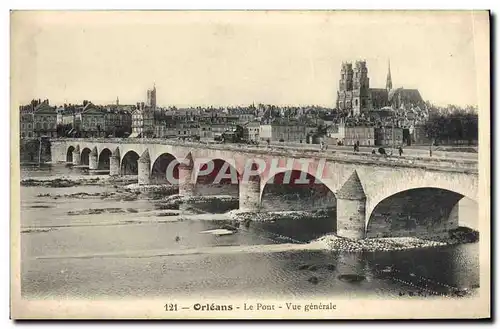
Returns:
point(128, 250)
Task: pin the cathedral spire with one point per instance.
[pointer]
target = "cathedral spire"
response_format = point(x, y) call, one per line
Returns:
point(388, 84)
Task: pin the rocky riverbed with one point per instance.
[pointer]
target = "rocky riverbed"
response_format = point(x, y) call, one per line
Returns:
point(200, 204)
point(167, 203)
point(277, 215)
point(458, 236)
point(83, 180)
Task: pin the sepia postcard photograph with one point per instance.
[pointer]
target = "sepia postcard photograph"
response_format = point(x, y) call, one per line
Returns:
point(291, 164)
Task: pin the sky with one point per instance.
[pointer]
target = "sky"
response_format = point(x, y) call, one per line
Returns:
point(239, 58)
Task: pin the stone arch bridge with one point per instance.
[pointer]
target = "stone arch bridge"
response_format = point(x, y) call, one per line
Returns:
point(375, 196)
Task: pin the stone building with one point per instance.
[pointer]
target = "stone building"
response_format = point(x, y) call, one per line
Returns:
point(89, 120)
point(166, 129)
point(214, 125)
point(405, 98)
point(168, 125)
point(45, 120)
point(335, 133)
point(283, 131)
point(206, 130)
point(354, 88)
point(365, 135)
point(66, 115)
point(243, 115)
point(251, 131)
point(389, 136)
point(151, 98)
point(355, 96)
point(38, 119)
point(143, 124)
point(26, 121)
point(212, 130)
point(187, 129)
point(143, 116)
point(118, 120)
point(217, 129)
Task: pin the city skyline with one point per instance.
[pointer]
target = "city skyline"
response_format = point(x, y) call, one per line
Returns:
point(236, 59)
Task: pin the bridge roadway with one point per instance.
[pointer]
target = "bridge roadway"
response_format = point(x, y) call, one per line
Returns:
point(366, 186)
point(421, 151)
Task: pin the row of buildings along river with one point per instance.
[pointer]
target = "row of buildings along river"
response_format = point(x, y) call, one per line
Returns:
point(362, 115)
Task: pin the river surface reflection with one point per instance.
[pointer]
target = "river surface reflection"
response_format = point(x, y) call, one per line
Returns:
point(100, 255)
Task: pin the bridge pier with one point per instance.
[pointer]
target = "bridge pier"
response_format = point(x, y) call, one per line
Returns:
point(351, 209)
point(350, 263)
point(77, 160)
point(94, 159)
point(249, 196)
point(186, 185)
point(143, 170)
point(114, 163)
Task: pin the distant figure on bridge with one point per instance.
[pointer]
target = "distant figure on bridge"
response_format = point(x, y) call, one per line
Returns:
point(381, 150)
point(268, 142)
point(400, 149)
point(373, 151)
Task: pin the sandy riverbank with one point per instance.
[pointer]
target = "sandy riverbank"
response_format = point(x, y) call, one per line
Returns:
point(266, 248)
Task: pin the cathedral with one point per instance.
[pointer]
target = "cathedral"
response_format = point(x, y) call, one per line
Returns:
point(355, 95)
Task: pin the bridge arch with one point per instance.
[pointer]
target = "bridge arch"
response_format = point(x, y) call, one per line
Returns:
point(129, 163)
point(85, 156)
point(159, 168)
point(104, 159)
point(69, 154)
point(296, 190)
point(422, 211)
point(216, 177)
point(380, 184)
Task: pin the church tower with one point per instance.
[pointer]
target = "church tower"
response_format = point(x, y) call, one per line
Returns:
point(388, 84)
point(344, 93)
point(151, 100)
point(345, 83)
point(361, 86)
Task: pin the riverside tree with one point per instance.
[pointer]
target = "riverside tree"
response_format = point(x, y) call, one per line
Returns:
point(453, 125)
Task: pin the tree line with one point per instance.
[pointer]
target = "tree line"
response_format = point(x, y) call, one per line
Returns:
point(452, 125)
